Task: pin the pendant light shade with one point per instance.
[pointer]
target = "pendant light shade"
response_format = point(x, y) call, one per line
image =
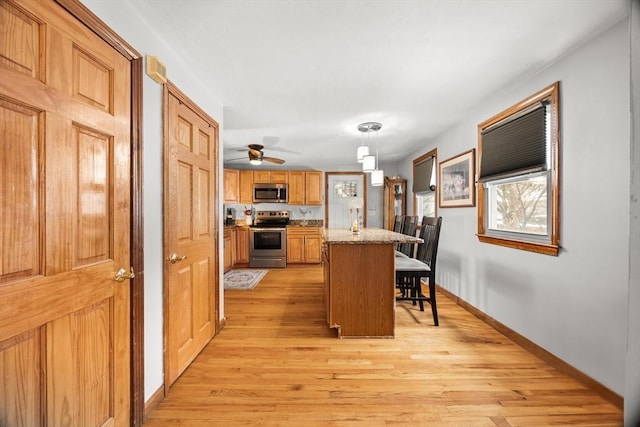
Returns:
point(369, 163)
point(377, 178)
point(363, 150)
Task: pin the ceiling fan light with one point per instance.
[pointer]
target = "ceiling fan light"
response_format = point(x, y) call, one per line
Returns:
point(368, 163)
point(377, 178)
point(255, 159)
point(363, 150)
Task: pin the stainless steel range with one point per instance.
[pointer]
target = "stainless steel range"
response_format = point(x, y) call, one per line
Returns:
point(268, 239)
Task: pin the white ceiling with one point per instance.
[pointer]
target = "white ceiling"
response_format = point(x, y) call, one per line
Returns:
point(298, 76)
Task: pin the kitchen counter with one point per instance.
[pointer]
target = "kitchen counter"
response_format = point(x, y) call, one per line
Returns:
point(307, 223)
point(359, 281)
point(366, 236)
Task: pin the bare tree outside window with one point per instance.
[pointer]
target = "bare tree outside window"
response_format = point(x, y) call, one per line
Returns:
point(521, 206)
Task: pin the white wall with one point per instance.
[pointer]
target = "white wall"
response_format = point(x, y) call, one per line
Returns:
point(573, 305)
point(129, 25)
point(632, 388)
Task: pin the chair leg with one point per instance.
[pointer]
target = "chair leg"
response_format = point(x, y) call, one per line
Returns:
point(432, 297)
point(417, 288)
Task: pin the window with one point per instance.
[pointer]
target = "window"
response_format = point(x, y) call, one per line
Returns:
point(518, 203)
point(424, 185)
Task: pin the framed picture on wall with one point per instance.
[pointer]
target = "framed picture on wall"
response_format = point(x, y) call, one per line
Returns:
point(457, 180)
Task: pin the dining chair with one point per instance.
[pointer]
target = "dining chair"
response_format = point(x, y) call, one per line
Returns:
point(398, 221)
point(410, 271)
point(409, 227)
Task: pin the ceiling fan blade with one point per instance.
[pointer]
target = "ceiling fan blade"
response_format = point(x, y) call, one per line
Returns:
point(272, 160)
point(237, 158)
point(255, 152)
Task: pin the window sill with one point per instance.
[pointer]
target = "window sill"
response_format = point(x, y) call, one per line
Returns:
point(541, 248)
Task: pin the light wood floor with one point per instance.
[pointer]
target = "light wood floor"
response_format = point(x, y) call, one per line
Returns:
point(278, 364)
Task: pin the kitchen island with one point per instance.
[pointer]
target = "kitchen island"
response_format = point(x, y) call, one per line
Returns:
point(359, 281)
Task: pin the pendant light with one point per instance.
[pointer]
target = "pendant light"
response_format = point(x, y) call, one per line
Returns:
point(377, 176)
point(368, 160)
point(363, 150)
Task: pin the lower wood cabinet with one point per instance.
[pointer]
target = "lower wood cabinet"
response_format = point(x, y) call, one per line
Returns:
point(304, 245)
point(229, 248)
point(242, 245)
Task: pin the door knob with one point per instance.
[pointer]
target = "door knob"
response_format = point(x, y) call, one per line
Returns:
point(176, 258)
point(122, 274)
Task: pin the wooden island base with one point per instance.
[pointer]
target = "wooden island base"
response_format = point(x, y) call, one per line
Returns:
point(359, 281)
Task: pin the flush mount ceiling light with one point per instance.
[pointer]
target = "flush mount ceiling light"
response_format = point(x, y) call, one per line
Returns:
point(363, 149)
point(255, 159)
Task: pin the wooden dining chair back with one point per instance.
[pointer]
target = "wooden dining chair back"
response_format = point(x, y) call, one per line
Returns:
point(409, 228)
point(410, 272)
point(398, 222)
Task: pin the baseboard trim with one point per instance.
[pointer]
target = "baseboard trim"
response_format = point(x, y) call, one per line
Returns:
point(539, 352)
point(154, 401)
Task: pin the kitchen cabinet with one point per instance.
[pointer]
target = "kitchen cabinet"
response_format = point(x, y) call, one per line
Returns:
point(246, 186)
point(313, 187)
point(305, 188)
point(231, 186)
point(297, 187)
point(261, 176)
point(279, 177)
point(304, 245)
point(271, 176)
point(242, 245)
point(229, 248)
point(394, 200)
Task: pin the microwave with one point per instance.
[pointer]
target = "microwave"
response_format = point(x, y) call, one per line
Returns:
point(270, 193)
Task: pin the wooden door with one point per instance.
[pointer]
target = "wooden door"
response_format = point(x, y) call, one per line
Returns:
point(191, 255)
point(65, 220)
point(340, 189)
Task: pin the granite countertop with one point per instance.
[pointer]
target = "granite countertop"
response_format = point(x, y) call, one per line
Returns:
point(307, 223)
point(366, 236)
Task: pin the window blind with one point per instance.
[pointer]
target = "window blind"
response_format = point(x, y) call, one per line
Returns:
point(422, 176)
point(515, 146)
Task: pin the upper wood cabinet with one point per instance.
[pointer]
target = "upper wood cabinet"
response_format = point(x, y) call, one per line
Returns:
point(231, 186)
point(246, 186)
point(260, 176)
point(279, 177)
point(297, 188)
point(305, 188)
point(270, 176)
point(313, 187)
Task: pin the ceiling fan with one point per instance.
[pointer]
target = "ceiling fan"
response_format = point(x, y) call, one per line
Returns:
point(256, 156)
